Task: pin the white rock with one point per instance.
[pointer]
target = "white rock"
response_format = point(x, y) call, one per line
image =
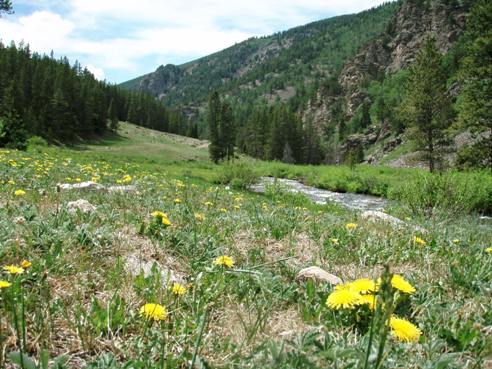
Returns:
point(113, 189)
point(93, 186)
point(19, 220)
point(134, 265)
point(374, 215)
point(81, 205)
point(314, 272)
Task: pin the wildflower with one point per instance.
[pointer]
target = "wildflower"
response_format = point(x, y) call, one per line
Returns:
point(209, 203)
point(404, 330)
point(179, 289)
point(158, 214)
point(418, 241)
point(343, 298)
point(237, 207)
point(166, 221)
point(456, 241)
point(401, 284)
point(489, 250)
point(153, 312)
point(351, 226)
point(334, 241)
point(12, 269)
point(177, 201)
point(10, 182)
point(223, 210)
point(5, 284)
point(225, 261)
point(126, 179)
point(199, 217)
point(369, 300)
point(363, 285)
point(26, 264)
point(20, 193)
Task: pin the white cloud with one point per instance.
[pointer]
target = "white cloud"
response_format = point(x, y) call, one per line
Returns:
point(97, 72)
point(116, 35)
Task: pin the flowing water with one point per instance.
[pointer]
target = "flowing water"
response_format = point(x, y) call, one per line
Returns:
point(350, 200)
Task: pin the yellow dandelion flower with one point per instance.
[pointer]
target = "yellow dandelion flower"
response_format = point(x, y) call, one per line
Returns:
point(12, 269)
point(199, 217)
point(179, 289)
point(489, 250)
point(5, 284)
point(351, 226)
point(126, 179)
point(177, 201)
point(26, 264)
point(153, 312)
point(165, 220)
point(158, 214)
point(343, 298)
point(418, 241)
point(209, 203)
point(225, 261)
point(237, 207)
point(223, 210)
point(369, 300)
point(404, 330)
point(20, 193)
point(456, 241)
point(398, 282)
point(364, 285)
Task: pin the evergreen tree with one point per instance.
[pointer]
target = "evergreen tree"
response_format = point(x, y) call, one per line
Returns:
point(227, 132)
point(213, 120)
point(5, 7)
point(426, 106)
point(112, 115)
point(475, 101)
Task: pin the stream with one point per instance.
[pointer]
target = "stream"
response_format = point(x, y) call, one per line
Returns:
point(349, 200)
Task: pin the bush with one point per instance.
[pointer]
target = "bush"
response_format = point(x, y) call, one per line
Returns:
point(239, 176)
point(36, 141)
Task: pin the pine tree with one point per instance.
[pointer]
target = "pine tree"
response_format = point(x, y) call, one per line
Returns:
point(113, 116)
point(213, 120)
point(5, 7)
point(426, 106)
point(227, 132)
point(475, 101)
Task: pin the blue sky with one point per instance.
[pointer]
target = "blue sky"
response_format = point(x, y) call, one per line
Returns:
point(122, 39)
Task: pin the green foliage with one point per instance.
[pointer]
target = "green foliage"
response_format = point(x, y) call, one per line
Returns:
point(238, 175)
point(426, 108)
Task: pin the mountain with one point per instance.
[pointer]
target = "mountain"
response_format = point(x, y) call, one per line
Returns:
point(284, 66)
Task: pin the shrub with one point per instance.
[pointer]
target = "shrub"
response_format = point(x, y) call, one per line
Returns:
point(36, 141)
point(239, 176)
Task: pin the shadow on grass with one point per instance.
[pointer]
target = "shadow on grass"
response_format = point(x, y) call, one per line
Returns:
point(108, 139)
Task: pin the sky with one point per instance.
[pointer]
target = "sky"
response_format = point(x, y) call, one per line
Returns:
point(118, 40)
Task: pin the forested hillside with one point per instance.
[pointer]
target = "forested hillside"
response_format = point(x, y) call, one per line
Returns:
point(286, 66)
point(45, 97)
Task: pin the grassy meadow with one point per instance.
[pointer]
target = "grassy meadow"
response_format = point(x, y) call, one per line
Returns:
point(188, 271)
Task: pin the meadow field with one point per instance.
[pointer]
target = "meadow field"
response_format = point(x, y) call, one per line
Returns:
point(172, 263)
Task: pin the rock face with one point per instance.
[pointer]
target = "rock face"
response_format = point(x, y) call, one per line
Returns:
point(398, 46)
point(316, 273)
point(81, 205)
point(163, 79)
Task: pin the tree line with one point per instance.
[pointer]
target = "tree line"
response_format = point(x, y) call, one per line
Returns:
point(48, 97)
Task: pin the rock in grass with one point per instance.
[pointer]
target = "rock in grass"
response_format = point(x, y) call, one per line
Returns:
point(81, 205)
point(374, 215)
point(314, 272)
point(121, 189)
point(90, 186)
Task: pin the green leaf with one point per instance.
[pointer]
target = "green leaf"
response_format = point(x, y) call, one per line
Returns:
point(15, 357)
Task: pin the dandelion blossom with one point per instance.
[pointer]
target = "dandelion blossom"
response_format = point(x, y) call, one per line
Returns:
point(177, 201)
point(351, 226)
point(343, 298)
point(199, 217)
point(369, 300)
point(158, 214)
point(363, 285)
point(20, 193)
point(418, 241)
point(26, 264)
point(225, 261)
point(5, 284)
point(179, 289)
point(401, 284)
point(404, 330)
point(153, 312)
point(489, 250)
point(12, 269)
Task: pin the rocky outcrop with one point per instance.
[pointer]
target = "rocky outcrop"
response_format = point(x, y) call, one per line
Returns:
point(398, 46)
point(162, 80)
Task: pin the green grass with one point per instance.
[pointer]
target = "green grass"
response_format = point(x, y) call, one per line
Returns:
point(79, 298)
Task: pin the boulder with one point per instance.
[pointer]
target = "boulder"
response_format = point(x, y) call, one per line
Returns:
point(81, 205)
point(379, 216)
point(85, 186)
point(316, 273)
point(122, 189)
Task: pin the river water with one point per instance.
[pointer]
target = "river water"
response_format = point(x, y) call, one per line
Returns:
point(349, 200)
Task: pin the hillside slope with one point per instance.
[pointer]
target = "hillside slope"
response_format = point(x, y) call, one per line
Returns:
point(281, 66)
